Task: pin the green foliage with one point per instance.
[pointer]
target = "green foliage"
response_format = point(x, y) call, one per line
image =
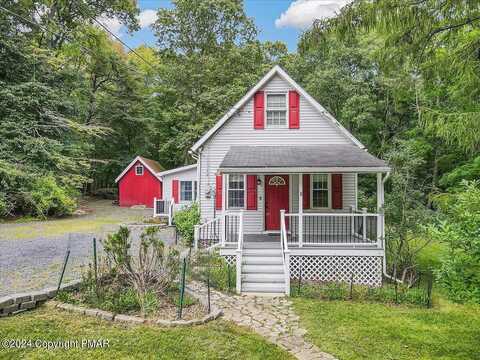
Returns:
point(405, 209)
point(341, 291)
point(468, 171)
point(151, 272)
point(212, 266)
point(50, 199)
point(185, 221)
point(459, 229)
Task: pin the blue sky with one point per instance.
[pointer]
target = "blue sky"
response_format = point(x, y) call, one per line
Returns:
point(277, 20)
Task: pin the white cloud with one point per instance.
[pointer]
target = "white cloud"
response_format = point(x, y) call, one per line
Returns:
point(301, 13)
point(112, 24)
point(147, 18)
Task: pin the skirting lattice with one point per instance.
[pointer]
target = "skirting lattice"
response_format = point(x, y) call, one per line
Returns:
point(231, 259)
point(367, 270)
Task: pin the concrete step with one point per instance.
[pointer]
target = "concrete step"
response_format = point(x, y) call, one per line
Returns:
point(262, 260)
point(262, 269)
point(262, 252)
point(263, 278)
point(263, 287)
point(262, 245)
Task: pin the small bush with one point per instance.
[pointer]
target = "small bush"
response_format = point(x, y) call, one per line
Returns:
point(185, 221)
point(150, 273)
point(50, 199)
point(213, 266)
point(341, 291)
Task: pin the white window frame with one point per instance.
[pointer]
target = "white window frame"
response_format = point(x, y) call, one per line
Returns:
point(193, 190)
point(285, 126)
point(244, 193)
point(329, 188)
point(139, 166)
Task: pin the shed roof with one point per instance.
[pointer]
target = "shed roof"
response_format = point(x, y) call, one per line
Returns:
point(302, 158)
point(153, 166)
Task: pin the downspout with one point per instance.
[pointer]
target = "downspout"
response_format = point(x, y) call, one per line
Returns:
point(384, 242)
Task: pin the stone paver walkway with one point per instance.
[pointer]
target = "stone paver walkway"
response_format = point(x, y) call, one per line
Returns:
point(271, 317)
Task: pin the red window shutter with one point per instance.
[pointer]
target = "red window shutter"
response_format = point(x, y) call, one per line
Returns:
point(175, 191)
point(258, 111)
point(251, 192)
point(337, 191)
point(306, 191)
point(293, 110)
point(218, 192)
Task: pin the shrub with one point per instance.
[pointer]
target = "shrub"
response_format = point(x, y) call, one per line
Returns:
point(4, 208)
point(459, 229)
point(50, 199)
point(185, 221)
point(151, 272)
point(213, 266)
point(341, 291)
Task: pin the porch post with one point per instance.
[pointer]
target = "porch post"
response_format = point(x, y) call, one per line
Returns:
point(223, 221)
point(380, 203)
point(300, 210)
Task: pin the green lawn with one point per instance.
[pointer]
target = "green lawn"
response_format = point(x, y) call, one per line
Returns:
point(216, 340)
point(102, 216)
point(375, 331)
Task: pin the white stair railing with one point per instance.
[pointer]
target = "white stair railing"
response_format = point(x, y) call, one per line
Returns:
point(239, 254)
point(285, 251)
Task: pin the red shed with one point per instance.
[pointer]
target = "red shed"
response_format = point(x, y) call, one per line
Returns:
point(139, 184)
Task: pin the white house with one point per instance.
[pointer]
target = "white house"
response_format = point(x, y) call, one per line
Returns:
point(277, 185)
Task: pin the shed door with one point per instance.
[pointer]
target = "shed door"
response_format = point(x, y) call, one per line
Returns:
point(276, 199)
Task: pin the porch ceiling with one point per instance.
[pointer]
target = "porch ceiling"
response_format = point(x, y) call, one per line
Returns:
point(327, 158)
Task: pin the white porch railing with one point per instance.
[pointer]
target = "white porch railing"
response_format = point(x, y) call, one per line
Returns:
point(163, 208)
point(333, 229)
point(226, 229)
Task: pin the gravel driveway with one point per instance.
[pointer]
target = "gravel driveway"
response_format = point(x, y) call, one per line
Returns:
point(35, 261)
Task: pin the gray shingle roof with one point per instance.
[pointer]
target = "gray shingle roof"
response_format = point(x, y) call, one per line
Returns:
point(299, 157)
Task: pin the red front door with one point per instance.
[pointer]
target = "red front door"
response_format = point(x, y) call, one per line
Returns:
point(276, 199)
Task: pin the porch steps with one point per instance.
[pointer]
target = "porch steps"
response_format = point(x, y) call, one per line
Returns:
point(262, 268)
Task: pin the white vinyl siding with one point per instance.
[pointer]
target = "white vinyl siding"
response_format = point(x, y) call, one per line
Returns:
point(315, 129)
point(190, 176)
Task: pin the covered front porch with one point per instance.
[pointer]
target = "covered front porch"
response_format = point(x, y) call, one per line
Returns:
point(311, 190)
point(292, 209)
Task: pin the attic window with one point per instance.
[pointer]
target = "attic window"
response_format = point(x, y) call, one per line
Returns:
point(139, 170)
point(276, 110)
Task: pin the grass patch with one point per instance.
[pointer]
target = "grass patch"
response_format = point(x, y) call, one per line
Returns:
point(103, 217)
point(342, 291)
point(351, 330)
point(215, 340)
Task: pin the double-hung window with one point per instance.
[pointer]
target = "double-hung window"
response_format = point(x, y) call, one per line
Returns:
point(139, 170)
point(320, 191)
point(276, 110)
point(186, 191)
point(236, 191)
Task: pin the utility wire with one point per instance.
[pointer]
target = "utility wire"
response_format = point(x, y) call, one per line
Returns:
point(118, 39)
point(54, 33)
